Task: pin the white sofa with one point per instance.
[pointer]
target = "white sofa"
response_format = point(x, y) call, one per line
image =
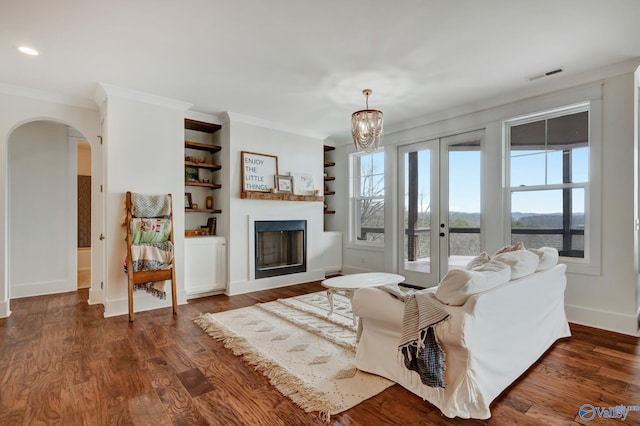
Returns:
point(489, 341)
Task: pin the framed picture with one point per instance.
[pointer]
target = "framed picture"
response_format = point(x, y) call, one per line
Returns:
point(302, 183)
point(284, 184)
point(191, 174)
point(258, 171)
point(187, 200)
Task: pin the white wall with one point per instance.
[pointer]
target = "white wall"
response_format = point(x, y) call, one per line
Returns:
point(17, 109)
point(144, 151)
point(295, 154)
point(606, 299)
point(41, 220)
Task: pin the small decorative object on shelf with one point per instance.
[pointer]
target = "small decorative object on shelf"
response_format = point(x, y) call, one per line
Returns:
point(196, 232)
point(209, 203)
point(211, 225)
point(284, 184)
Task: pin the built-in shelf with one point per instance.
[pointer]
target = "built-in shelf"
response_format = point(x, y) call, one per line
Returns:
point(194, 178)
point(204, 184)
point(212, 211)
point(202, 165)
point(327, 191)
point(256, 195)
point(202, 146)
point(201, 126)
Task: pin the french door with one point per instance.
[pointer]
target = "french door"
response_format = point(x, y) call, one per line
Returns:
point(440, 199)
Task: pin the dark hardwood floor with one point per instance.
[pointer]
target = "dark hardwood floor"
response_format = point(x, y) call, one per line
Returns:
point(62, 363)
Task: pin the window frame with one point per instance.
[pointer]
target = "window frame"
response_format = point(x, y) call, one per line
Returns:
point(590, 264)
point(355, 198)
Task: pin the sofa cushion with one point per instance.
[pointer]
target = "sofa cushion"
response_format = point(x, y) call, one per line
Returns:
point(479, 260)
point(548, 257)
point(458, 285)
point(513, 247)
point(521, 262)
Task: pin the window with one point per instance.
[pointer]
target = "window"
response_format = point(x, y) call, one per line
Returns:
point(367, 198)
point(549, 180)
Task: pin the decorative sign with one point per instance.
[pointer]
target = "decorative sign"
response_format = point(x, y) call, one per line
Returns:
point(258, 171)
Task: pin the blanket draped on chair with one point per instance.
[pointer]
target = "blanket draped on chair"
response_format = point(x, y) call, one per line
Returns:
point(419, 346)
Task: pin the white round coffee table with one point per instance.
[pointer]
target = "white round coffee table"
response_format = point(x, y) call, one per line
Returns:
point(348, 284)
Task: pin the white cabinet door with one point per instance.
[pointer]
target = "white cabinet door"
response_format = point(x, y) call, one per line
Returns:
point(205, 265)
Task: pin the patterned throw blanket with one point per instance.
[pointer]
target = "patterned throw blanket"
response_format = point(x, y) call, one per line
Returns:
point(150, 205)
point(419, 346)
point(151, 257)
point(151, 249)
point(153, 230)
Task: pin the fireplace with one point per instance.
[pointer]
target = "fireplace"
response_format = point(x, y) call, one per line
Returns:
point(280, 247)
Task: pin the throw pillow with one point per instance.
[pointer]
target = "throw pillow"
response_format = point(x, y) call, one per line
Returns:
point(506, 249)
point(458, 285)
point(479, 260)
point(521, 262)
point(548, 257)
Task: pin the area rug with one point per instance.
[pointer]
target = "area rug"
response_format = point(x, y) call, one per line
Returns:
point(307, 355)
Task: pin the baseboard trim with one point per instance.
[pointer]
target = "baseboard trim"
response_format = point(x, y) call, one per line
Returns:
point(610, 321)
point(248, 286)
point(42, 288)
point(95, 297)
point(5, 312)
point(142, 301)
point(348, 270)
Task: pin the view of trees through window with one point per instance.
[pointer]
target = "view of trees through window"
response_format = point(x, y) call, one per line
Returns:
point(369, 197)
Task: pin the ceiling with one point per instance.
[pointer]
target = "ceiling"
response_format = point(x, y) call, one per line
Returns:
point(303, 64)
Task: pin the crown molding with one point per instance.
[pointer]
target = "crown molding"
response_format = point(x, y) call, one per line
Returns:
point(204, 117)
point(104, 91)
point(42, 95)
point(230, 117)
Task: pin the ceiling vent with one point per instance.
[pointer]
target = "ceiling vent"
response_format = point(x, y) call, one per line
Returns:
point(545, 74)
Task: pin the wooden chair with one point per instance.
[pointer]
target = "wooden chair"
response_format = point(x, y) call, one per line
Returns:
point(149, 276)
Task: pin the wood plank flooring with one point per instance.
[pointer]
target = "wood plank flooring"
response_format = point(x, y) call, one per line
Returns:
point(62, 363)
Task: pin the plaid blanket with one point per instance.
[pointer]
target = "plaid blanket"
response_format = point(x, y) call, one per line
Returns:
point(419, 346)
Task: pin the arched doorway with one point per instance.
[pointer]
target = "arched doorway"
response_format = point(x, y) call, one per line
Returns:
point(42, 208)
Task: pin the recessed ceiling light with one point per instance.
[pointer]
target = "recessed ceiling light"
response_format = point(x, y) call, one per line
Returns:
point(28, 50)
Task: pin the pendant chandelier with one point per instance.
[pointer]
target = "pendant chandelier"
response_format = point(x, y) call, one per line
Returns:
point(366, 126)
